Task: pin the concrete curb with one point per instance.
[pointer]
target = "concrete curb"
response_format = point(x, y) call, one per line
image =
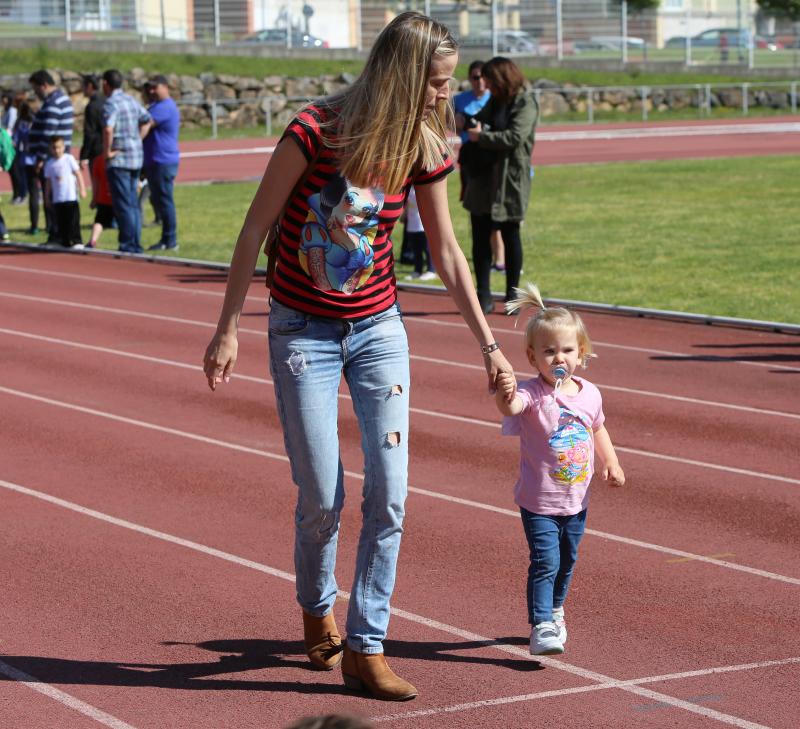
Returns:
point(708, 319)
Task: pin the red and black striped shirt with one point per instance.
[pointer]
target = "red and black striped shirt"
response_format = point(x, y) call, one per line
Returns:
point(335, 253)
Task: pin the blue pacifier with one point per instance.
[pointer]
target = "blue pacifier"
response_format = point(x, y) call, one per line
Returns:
point(559, 375)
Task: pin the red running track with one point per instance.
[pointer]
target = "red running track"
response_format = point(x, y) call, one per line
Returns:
point(244, 159)
point(147, 523)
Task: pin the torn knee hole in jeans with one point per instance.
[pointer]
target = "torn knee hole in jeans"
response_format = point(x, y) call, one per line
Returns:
point(393, 439)
point(297, 363)
point(395, 391)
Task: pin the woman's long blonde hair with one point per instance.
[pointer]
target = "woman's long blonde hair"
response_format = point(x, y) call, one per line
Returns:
point(376, 123)
point(548, 318)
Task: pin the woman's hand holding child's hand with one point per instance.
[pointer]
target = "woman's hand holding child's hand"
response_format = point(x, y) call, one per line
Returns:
point(506, 385)
point(498, 366)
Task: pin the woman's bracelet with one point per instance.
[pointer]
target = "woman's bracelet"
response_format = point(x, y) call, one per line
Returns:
point(489, 348)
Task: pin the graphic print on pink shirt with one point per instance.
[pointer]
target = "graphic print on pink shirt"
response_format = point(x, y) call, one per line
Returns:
point(571, 444)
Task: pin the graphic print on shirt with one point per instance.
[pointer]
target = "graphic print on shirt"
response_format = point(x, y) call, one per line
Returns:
point(336, 239)
point(571, 443)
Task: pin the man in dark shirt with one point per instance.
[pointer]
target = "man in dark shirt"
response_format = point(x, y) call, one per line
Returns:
point(92, 121)
point(54, 119)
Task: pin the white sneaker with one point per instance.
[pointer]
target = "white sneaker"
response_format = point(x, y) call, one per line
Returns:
point(545, 640)
point(558, 619)
point(413, 276)
point(77, 247)
point(428, 276)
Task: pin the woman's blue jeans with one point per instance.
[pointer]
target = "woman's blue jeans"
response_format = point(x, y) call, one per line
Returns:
point(553, 542)
point(308, 356)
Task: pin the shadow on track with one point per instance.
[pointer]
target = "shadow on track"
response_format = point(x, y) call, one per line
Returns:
point(239, 655)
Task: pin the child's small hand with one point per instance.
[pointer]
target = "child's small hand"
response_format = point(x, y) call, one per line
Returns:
point(614, 475)
point(506, 385)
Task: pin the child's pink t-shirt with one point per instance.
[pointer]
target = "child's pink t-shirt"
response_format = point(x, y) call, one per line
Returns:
point(556, 446)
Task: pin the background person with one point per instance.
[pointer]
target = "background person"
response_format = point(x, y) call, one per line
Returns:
point(63, 183)
point(28, 161)
point(161, 159)
point(125, 122)
point(334, 312)
point(92, 146)
point(332, 721)
point(8, 115)
point(18, 179)
point(8, 120)
point(500, 195)
point(54, 118)
point(466, 105)
point(424, 269)
point(102, 202)
point(7, 155)
point(560, 423)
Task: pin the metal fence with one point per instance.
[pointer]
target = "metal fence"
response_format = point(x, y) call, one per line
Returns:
point(688, 32)
point(587, 104)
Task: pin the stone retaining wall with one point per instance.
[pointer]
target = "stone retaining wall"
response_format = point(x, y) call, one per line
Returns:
point(244, 101)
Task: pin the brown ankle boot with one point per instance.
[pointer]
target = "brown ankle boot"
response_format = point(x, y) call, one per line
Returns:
point(369, 672)
point(322, 641)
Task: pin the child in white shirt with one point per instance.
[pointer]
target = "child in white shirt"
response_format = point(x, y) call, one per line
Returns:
point(63, 182)
point(423, 265)
point(559, 420)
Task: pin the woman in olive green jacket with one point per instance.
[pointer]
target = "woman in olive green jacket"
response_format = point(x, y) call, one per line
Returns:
point(498, 190)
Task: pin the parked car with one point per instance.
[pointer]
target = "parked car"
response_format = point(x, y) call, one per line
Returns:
point(609, 43)
point(735, 38)
point(277, 37)
point(508, 41)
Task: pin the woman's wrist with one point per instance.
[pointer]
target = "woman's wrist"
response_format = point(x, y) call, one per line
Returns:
point(490, 347)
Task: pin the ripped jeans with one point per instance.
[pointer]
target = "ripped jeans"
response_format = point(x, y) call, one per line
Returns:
point(308, 355)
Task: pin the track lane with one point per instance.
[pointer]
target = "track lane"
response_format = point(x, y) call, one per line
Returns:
point(458, 459)
point(245, 419)
point(680, 424)
point(771, 396)
point(417, 585)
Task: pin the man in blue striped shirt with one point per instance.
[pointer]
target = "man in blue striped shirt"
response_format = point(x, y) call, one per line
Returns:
point(126, 122)
point(54, 119)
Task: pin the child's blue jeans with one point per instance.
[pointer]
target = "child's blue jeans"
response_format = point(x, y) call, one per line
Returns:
point(553, 542)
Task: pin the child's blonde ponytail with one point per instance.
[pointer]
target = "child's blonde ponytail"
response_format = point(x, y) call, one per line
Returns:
point(528, 297)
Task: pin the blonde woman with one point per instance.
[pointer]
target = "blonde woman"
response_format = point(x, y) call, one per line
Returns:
point(334, 312)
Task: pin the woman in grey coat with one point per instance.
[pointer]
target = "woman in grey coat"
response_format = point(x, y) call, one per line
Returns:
point(499, 188)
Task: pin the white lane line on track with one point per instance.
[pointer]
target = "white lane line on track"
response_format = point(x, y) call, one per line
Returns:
point(60, 696)
point(420, 358)
point(412, 617)
point(543, 135)
point(420, 713)
point(627, 390)
point(678, 356)
point(412, 489)
point(715, 130)
point(134, 284)
point(420, 411)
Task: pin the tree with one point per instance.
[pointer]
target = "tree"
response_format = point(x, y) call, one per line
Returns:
point(781, 8)
point(639, 6)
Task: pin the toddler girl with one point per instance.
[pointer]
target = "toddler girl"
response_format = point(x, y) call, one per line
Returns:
point(559, 420)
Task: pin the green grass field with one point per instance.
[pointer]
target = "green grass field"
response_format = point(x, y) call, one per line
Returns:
point(715, 237)
point(41, 56)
